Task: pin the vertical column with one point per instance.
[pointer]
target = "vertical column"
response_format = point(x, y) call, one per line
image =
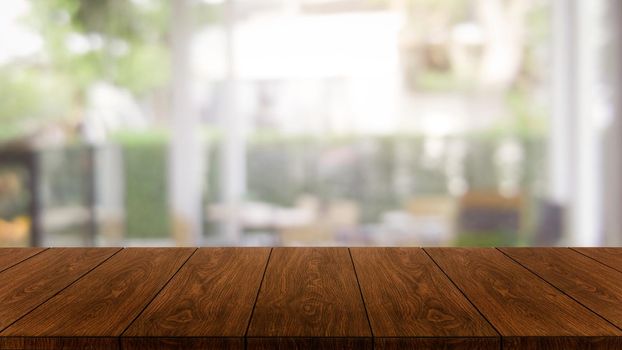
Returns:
point(574, 149)
point(587, 201)
point(563, 116)
point(186, 150)
point(233, 156)
point(612, 138)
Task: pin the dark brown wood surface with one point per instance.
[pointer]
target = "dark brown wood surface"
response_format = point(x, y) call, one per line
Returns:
point(13, 256)
point(209, 301)
point(37, 279)
point(611, 257)
point(311, 298)
point(437, 343)
point(309, 293)
point(101, 305)
point(596, 286)
point(527, 311)
point(409, 300)
point(315, 343)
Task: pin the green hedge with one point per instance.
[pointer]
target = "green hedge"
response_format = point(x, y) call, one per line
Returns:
point(281, 169)
point(146, 199)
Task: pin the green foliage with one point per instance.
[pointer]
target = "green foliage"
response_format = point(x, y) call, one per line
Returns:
point(84, 41)
point(133, 20)
point(65, 174)
point(280, 170)
point(141, 69)
point(146, 204)
point(286, 161)
point(487, 239)
point(146, 137)
point(29, 98)
point(529, 117)
point(123, 41)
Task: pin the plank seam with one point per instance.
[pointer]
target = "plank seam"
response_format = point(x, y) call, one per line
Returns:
point(363, 300)
point(554, 286)
point(263, 275)
point(597, 260)
point(153, 298)
point(60, 291)
point(466, 297)
point(21, 261)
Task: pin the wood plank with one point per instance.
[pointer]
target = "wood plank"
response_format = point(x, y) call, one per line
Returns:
point(611, 257)
point(13, 256)
point(182, 343)
point(54, 343)
point(309, 292)
point(448, 343)
point(37, 279)
point(207, 304)
point(562, 343)
point(315, 343)
point(412, 304)
point(100, 305)
point(591, 283)
point(528, 312)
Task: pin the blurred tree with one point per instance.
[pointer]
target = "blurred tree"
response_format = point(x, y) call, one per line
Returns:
point(123, 43)
point(28, 97)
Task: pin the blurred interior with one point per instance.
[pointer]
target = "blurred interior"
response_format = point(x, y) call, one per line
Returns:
point(310, 122)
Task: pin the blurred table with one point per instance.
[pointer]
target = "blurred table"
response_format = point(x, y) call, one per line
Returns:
point(310, 298)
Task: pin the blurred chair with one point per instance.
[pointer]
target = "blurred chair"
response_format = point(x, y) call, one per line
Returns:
point(488, 218)
point(550, 223)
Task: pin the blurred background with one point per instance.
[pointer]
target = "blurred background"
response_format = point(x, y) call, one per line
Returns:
point(310, 122)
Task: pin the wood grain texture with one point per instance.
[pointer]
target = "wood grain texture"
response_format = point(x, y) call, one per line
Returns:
point(410, 298)
point(519, 303)
point(13, 256)
point(591, 283)
point(309, 298)
point(182, 343)
point(611, 257)
point(55, 343)
point(101, 304)
point(37, 279)
point(562, 343)
point(304, 343)
point(309, 292)
point(211, 297)
point(446, 343)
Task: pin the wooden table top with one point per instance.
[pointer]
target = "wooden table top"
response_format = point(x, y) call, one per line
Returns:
point(311, 298)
